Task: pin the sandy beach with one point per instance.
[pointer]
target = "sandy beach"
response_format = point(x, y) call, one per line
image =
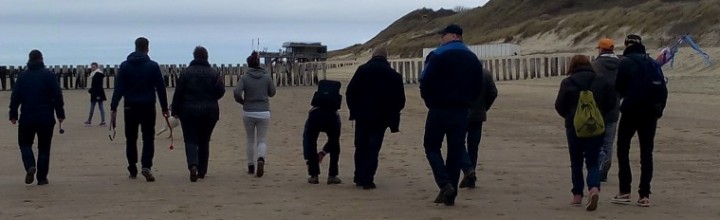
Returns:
point(524, 170)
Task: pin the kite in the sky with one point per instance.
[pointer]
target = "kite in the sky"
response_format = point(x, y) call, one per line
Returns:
point(667, 54)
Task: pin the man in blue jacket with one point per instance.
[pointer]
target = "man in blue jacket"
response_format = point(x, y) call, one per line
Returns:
point(450, 82)
point(38, 95)
point(138, 79)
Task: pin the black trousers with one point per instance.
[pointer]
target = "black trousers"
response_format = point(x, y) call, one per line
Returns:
point(143, 117)
point(645, 125)
point(369, 136)
point(327, 121)
point(197, 132)
point(26, 137)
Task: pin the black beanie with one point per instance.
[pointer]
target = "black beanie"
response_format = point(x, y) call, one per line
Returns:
point(35, 55)
point(253, 60)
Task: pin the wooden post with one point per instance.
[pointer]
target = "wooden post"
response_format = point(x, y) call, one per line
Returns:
point(525, 68)
point(324, 70)
point(416, 77)
point(498, 68)
point(517, 68)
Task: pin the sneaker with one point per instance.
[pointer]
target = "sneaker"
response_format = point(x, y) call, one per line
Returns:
point(577, 200)
point(261, 167)
point(42, 182)
point(201, 174)
point(623, 199)
point(102, 124)
point(87, 123)
point(593, 200)
point(251, 169)
point(445, 195)
point(321, 155)
point(369, 186)
point(148, 175)
point(468, 180)
point(313, 180)
point(644, 202)
point(133, 171)
point(193, 174)
point(333, 180)
point(30, 175)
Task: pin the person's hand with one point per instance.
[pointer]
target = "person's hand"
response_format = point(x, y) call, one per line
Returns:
point(61, 120)
point(113, 116)
point(165, 113)
point(13, 121)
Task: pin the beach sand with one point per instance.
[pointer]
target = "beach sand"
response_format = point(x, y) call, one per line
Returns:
point(524, 170)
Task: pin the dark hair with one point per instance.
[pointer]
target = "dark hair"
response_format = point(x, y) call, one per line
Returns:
point(35, 55)
point(253, 60)
point(578, 61)
point(142, 44)
point(200, 53)
point(94, 64)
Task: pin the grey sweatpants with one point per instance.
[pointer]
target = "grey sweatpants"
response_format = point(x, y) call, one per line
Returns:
point(256, 129)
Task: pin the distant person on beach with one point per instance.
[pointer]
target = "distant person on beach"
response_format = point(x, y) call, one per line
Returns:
point(642, 87)
point(375, 97)
point(195, 103)
point(583, 80)
point(449, 84)
point(138, 80)
point(323, 117)
point(478, 115)
point(606, 64)
point(97, 94)
point(253, 91)
point(38, 95)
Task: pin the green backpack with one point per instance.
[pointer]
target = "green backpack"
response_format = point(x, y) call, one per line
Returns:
point(588, 120)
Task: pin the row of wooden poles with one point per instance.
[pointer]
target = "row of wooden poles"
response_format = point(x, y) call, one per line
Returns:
point(308, 74)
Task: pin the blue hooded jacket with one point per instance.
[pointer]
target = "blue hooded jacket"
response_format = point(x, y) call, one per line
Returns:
point(137, 80)
point(452, 77)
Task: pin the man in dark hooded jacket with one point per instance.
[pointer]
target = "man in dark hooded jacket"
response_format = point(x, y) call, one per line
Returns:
point(606, 65)
point(478, 115)
point(138, 79)
point(38, 95)
point(640, 113)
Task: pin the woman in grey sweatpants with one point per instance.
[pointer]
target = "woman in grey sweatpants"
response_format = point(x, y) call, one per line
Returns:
point(253, 91)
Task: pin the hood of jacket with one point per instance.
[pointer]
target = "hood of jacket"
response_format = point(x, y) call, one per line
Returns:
point(138, 57)
point(256, 73)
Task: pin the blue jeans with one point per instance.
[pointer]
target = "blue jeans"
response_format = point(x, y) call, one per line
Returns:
point(453, 124)
point(26, 137)
point(474, 134)
point(92, 110)
point(368, 141)
point(584, 149)
point(197, 132)
point(607, 149)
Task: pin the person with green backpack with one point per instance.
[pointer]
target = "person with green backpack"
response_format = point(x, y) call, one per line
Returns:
point(584, 100)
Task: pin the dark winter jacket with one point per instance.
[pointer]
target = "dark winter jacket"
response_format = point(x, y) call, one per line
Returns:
point(607, 65)
point(452, 77)
point(488, 93)
point(583, 77)
point(198, 90)
point(138, 79)
point(97, 93)
point(376, 92)
point(38, 95)
point(631, 78)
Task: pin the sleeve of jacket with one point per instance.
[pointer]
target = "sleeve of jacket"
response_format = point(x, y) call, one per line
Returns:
point(622, 82)
point(271, 86)
point(177, 101)
point(353, 89)
point(561, 103)
point(57, 101)
point(15, 98)
point(239, 88)
point(219, 87)
point(398, 92)
point(427, 85)
point(160, 87)
point(610, 98)
point(119, 90)
point(492, 91)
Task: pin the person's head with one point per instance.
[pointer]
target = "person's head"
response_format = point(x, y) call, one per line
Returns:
point(633, 39)
point(200, 53)
point(94, 66)
point(381, 51)
point(253, 60)
point(576, 62)
point(606, 45)
point(450, 33)
point(142, 45)
point(35, 56)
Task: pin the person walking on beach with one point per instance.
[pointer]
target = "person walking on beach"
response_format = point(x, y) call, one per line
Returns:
point(572, 103)
point(375, 97)
point(449, 84)
point(138, 80)
point(253, 91)
point(97, 94)
point(195, 103)
point(478, 115)
point(606, 64)
point(643, 89)
point(38, 95)
point(323, 117)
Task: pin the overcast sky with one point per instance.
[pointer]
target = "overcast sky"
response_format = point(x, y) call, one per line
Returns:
point(83, 31)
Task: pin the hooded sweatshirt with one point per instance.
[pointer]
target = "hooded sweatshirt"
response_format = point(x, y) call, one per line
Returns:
point(137, 81)
point(254, 90)
point(606, 65)
point(37, 94)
